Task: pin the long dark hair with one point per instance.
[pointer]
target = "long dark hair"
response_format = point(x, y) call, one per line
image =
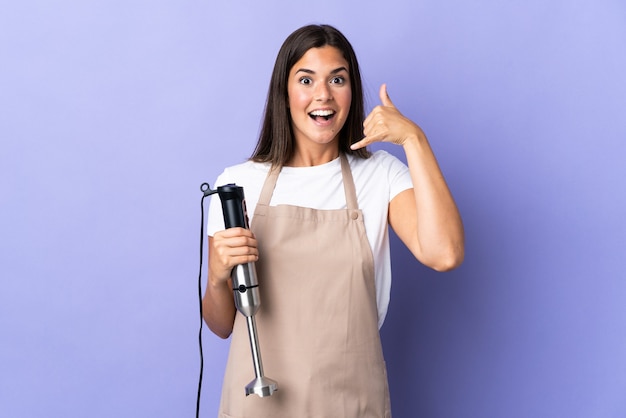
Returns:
point(275, 143)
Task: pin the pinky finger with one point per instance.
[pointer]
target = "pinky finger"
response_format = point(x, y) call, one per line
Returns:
point(360, 144)
point(243, 259)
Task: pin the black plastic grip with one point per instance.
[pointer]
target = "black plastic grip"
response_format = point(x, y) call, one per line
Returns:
point(233, 206)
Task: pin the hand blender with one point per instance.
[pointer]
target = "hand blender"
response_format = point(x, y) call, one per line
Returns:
point(245, 284)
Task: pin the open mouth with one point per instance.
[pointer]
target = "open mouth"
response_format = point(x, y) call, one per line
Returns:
point(322, 115)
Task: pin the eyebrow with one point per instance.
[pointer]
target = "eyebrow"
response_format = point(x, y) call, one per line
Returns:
point(335, 71)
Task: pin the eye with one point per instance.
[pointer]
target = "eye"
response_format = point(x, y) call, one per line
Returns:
point(305, 80)
point(338, 80)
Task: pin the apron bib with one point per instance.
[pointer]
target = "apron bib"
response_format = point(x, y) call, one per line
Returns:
point(318, 321)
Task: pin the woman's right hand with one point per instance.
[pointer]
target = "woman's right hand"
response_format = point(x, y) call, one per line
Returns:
point(229, 248)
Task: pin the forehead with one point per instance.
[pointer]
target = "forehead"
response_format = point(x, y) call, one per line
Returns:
point(320, 59)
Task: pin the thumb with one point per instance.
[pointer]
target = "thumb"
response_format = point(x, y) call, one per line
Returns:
point(384, 96)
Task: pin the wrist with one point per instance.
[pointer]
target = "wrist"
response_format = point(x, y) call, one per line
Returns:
point(414, 140)
point(218, 281)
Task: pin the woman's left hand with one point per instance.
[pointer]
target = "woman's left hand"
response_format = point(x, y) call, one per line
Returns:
point(385, 123)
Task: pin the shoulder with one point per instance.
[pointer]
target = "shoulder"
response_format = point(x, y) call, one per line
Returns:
point(245, 168)
point(243, 173)
point(381, 174)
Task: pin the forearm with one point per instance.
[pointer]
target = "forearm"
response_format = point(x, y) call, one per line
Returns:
point(439, 228)
point(218, 307)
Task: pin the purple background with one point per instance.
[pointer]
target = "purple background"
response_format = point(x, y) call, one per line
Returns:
point(114, 112)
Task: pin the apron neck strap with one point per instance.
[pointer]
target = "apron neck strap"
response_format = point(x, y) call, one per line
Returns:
point(268, 186)
point(348, 184)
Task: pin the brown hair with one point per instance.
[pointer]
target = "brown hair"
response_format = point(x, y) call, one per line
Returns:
point(276, 139)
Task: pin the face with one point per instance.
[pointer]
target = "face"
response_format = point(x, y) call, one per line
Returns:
point(319, 96)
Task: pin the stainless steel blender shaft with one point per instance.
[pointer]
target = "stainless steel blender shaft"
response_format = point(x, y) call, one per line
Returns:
point(247, 300)
point(261, 385)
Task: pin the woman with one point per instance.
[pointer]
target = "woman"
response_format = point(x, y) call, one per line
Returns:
point(321, 204)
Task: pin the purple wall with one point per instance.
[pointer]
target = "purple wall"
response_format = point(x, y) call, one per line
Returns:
point(113, 113)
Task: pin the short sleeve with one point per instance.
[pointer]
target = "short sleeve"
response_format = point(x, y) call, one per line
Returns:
point(397, 172)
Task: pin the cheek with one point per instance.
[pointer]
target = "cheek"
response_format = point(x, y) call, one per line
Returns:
point(297, 100)
point(346, 105)
point(346, 98)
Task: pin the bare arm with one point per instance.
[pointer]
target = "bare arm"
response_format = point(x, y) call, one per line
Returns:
point(425, 218)
point(227, 249)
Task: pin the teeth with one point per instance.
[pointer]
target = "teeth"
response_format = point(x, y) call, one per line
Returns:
point(325, 113)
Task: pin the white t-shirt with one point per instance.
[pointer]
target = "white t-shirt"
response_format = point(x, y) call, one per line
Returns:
point(377, 180)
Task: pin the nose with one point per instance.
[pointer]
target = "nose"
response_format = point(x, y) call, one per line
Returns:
point(323, 92)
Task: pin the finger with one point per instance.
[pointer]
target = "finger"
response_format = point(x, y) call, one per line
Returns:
point(240, 251)
point(234, 251)
point(236, 232)
point(237, 246)
point(362, 143)
point(377, 114)
point(368, 140)
point(227, 239)
point(244, 259)
point(384, 96)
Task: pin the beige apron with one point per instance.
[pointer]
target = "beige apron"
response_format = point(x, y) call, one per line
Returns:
point(318, 321)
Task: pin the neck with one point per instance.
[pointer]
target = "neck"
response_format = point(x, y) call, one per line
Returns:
point(310, 158)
